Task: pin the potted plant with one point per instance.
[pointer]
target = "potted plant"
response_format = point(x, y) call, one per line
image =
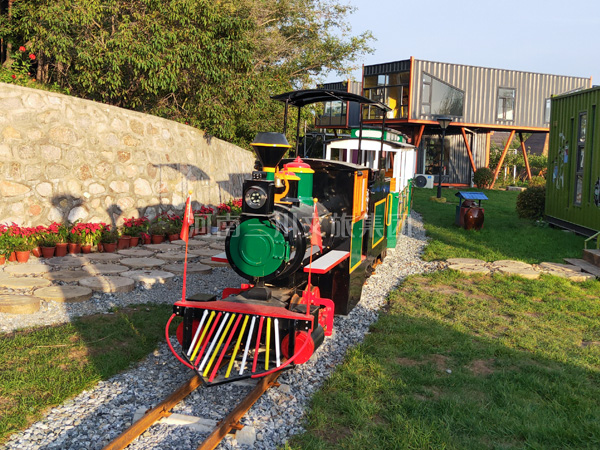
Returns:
point(223, 214)
point(62, 230)
point(90, 234)
point(4, 250)
point(39, 232)
point(22, 241)
point(76, 237)
point(173, 230)
point(235, 209)
point(173, 224)
point(47, 243)
point(108, 239)
point(203, 217)
point(123, 241)
point(157, 230)
point(134, 228)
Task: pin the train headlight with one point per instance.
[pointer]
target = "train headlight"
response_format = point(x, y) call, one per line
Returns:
point(255, 197)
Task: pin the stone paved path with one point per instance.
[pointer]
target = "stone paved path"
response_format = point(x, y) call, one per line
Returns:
point(522, 269)
point(74, 278)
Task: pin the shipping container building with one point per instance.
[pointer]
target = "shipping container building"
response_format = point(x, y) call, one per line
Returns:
point(573, 179)
point(479, 100)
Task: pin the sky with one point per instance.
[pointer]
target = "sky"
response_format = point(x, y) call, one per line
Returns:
point(550, 36)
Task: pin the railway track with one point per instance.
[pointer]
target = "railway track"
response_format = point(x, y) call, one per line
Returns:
point(163, 409)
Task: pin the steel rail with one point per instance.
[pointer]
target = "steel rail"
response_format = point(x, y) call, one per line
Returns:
point(155, 414)
point(163, 410)
point(232, 420)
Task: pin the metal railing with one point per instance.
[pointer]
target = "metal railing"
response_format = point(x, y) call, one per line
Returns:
point(595, 236)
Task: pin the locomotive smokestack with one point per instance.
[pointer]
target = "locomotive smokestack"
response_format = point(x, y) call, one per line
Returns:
point(270, 148)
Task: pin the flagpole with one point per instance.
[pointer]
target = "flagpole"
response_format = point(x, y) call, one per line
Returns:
point(184, 272)
point(185, 233)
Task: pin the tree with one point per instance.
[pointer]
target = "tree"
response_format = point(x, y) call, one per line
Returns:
point(212, 64)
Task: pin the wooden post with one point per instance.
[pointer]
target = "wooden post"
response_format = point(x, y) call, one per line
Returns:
point(510, 138)
point(525, 156)
point(418, 142)
point(419, 136)
point(462, 129)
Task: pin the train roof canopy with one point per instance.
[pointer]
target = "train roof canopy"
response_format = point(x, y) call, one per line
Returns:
point(310, 96)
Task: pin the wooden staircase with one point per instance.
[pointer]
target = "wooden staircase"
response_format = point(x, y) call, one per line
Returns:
point(590, 262)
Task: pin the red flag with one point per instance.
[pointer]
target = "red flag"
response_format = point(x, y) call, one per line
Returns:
point(188, 220)
point(315, 230)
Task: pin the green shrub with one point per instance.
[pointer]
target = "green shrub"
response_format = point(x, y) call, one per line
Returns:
point(536, 181)
point(530, 203)
point(483, 177)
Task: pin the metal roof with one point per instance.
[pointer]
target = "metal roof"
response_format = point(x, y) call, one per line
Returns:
point(310, 96)
point(471, 195)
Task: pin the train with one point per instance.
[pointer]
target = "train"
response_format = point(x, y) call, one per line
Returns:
point(311, 232)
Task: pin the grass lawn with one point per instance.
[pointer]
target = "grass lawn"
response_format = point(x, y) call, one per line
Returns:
point(472, 362)
point(479, 363)
point(504, 235)
point(41, 368)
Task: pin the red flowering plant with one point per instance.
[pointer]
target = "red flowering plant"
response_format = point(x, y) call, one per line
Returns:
point(19, 70)
point(86, 233)
point(4, 248)
point(171, 222)
point(108, 236)
point(20, 239)
point(204, 214)
point(235, 206)
point(134, 227)
point(48, 237)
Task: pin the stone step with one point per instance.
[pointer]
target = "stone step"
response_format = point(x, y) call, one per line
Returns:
point(108, 284)
point(592, 256)
point(64, 294)
point(19, 304)
point(585, 266)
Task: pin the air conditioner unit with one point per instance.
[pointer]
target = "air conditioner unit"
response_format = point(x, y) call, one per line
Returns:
point(424, 181)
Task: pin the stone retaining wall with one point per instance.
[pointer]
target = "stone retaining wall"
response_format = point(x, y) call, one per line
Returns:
point(64, 158)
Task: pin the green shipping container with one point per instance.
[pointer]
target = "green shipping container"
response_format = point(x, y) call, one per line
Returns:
point(573, 178)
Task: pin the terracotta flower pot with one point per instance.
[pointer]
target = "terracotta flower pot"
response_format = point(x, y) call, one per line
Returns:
point(173, 237)
point(109, 247)
point(36, 252)
point(134, 241)
point(86, 248)
point(74, 248)
point(157, 238)
point(12, 257)
point(203, 230)
point(123, 242)
point(2, 259)
point(61, 249)
point(48, 252)
point(22, 257)
point(146, 239)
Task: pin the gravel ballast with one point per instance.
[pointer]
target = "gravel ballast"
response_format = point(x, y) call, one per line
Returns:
point(93, 418)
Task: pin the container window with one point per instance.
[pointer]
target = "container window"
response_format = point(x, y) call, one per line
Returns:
point(580, 158)
point(506, 104)
point(439, 98)
point(547, 111)
point(391, 90)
